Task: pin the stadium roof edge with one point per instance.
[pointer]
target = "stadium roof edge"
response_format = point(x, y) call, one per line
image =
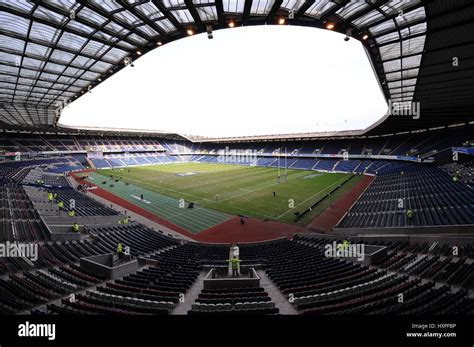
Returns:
point(348, 134)
point(49, 55)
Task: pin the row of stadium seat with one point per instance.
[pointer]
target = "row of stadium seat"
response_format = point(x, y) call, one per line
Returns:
point(412, 144)
point(464, 171)
point(298, 267)
point(433, 196)
point(85, 206)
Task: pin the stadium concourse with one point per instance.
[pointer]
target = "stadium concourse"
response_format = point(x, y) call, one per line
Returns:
point(122, 222)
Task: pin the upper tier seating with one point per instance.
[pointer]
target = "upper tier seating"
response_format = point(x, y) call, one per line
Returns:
point(431, 193)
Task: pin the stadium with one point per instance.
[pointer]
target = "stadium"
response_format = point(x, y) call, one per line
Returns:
point(123, 221)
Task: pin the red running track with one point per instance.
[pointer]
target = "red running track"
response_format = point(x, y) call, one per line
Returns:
point(252, 230)
point(331, 215)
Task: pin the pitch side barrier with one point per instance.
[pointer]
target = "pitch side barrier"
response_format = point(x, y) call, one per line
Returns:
point(452, 230)
point(83, 151)
point(263, 155)
point(453, 240)
point(463, 150)
point(311, 156)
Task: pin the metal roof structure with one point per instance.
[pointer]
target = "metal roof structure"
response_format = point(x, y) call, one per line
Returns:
point(52, 52)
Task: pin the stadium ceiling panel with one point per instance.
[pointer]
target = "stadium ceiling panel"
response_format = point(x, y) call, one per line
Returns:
point(52, 52)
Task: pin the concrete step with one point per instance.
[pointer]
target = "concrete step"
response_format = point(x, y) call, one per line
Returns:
point(281, 302)
point(191, 295)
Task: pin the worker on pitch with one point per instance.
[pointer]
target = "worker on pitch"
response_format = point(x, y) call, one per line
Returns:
point(60, 205)
point(234, 262)
point(71, 213)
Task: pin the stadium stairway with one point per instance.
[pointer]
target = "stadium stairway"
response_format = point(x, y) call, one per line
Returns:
point(190, 296)
point(281, 302)
point(276, 296)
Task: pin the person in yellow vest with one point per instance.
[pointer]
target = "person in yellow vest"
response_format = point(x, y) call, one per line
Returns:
point(61, 205)
point(120, 250)
point(410, 214)
point(455, 178)
point(55, 196)
point(234, 265)
point(124, 221)
point(71, 213)
point(75, 227)
point(50, 197)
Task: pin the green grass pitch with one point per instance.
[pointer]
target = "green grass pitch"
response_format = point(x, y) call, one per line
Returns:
point(236, 189)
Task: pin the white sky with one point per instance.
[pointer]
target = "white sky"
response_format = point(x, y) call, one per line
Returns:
point(246, 81)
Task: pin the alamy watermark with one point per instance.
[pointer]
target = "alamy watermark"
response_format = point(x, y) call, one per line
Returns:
point(19, 250)
point(407, 109)
point(247, 156)
point(28, 329)
point(345, 249)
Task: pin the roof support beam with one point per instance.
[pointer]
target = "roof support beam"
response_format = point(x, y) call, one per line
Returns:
point(246, 13)
point(79, 20)
point(29, 84)
point(220, 13)
point(107, 15)
point(24, 51)
point(145, 19)
point(54, 61)
point(304, 8)
point(370, 8)
point(401, 27)
point(393, 16)
point(467, 21)
point(11, 115)
point(273, 11)
point(168, 15)
point(457, 70)
point(333, 10)
point(195, 14)
point(425, 51)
